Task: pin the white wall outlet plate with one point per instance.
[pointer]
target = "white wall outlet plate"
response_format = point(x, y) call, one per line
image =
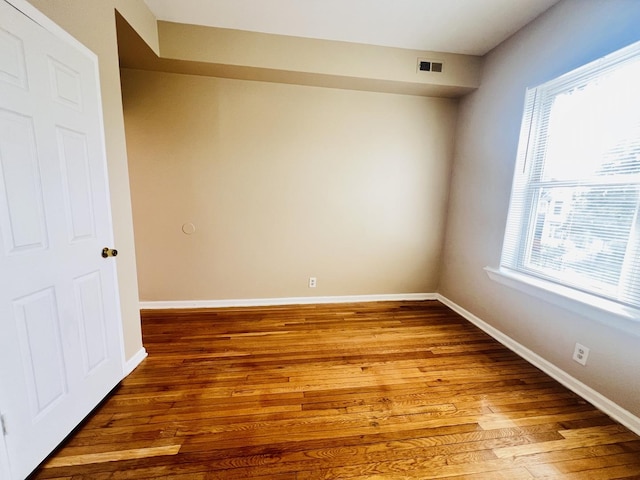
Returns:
point(580, 354)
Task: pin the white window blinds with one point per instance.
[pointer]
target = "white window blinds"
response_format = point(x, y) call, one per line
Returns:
point(573, 218)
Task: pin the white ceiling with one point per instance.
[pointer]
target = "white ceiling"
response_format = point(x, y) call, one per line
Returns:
point(459, 26)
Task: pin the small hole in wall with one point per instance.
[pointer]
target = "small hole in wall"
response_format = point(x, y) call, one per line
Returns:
point(188, 228)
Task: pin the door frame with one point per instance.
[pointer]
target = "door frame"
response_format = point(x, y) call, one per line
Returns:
point(49, 25)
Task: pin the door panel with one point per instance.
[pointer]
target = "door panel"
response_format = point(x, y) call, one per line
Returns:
point(38, 325)
point(74, 163)
point(23, 223)
point(65, 84)
point(90, 312)
point(61, 343)
point(12, 67)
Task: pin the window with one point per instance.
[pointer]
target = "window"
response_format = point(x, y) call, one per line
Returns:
point(574, 213)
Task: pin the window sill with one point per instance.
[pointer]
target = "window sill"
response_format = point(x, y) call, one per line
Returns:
point(599, 309)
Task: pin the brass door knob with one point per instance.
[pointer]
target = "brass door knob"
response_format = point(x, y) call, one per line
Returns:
point(109, 252)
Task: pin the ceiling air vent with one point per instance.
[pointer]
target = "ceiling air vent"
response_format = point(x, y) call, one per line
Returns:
point(429, 65)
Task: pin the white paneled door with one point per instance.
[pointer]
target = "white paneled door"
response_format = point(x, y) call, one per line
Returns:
point(60, 329)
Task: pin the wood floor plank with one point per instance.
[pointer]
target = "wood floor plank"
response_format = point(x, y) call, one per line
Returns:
point(386, 390)
point(563, 445)
point(111, 456)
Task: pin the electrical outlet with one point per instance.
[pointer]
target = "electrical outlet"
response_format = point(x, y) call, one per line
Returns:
point(312, 282)
point(580, 354)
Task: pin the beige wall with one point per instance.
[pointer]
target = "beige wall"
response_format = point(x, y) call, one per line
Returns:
point(569, 35)
point(282, 183)
point(92, 22)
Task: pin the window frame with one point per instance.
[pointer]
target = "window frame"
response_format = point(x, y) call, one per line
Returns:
point(524, 199)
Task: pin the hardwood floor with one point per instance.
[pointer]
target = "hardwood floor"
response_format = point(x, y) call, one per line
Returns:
point(390, 390)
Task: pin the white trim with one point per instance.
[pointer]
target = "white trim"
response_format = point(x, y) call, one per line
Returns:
point(267, 302)
point(601, 402)
point(601, 310)
point(131, 364)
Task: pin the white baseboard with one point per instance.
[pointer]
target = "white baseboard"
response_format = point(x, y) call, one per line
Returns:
point(267, 302)
point(601, 402)
point(131, 364)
